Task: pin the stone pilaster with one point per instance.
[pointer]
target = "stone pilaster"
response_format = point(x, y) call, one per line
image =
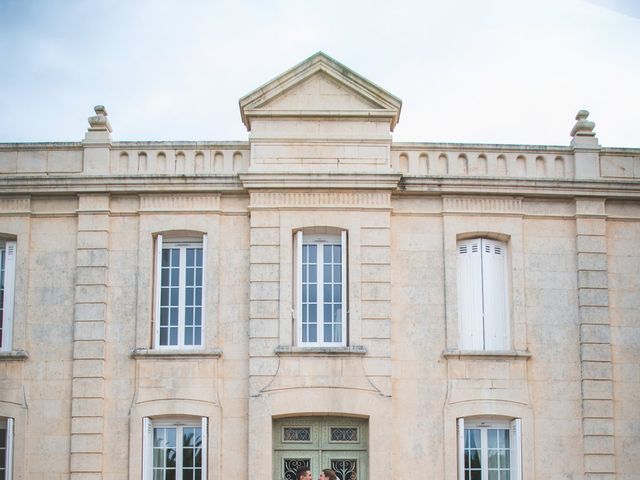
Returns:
point(87, 397)
point(595, 341)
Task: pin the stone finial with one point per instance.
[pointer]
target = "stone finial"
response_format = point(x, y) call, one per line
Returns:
point(583, 127)
point(99, 121)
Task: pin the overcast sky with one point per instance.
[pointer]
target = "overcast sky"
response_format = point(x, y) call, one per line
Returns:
point(467, 71)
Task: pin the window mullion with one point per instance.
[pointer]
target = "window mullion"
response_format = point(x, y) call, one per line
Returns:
point(320, 292)
point(182, 278)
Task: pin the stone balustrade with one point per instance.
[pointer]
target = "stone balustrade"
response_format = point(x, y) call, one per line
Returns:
point(179, 159)
point(230, 158)
point(446, 159)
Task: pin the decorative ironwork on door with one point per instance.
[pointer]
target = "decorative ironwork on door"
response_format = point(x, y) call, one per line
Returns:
point(346, 469)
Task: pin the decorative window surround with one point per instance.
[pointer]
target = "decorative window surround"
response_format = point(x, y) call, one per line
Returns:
point(483, 294)
point(180, 291)
point(321, 287)
point(171, 437)
point(477, 436)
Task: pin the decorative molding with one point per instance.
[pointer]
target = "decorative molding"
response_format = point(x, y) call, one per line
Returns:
point(487, 354)
point(15, 205)
point(189, 202)
point(315, 351)
point(140, 353)
point(316, 181)
point(476, 204)
point(14, 356)
point(321, 199)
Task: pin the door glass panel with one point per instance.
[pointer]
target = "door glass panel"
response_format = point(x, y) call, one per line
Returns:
point(344, 434)
point(296, 434)
point(291, 466)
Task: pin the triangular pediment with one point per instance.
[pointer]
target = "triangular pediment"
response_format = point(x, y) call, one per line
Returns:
point(320, 87)
point(320, 92)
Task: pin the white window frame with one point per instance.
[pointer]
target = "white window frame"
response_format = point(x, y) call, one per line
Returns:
point(515, 443)
point(183, 243)
point(148, 424)
point(483, 294)
point(7, 424)
point(9, 250)
point(305, 238)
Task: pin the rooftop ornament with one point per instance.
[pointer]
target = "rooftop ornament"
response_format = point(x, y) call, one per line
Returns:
point(583, 127)
point(99, 121)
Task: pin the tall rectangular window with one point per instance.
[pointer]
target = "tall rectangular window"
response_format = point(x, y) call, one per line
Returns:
point(180, 266)
point(483, 299)
point(321, 288)
point(175, 449)
point(6, 448)
point(489, 449)
point(7, 282)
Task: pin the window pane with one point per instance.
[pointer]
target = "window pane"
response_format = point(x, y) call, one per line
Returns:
point(313, 256)
point(164, 317)
point(313, 272)
point(492, 438)
point(472, 438)
point(493, 459)
point(327, 272)
point(327, 252)
point(327, 291)
point(337, 293)
point(173, 336)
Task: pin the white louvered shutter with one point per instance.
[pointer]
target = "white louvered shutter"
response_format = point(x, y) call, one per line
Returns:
point(158, 279)
point(470, 295)
point(9, 292)
point(495, 300)
point(460, 435)
point(203, 310)
point(345, 303)
point(9, 450)
point(298, 240)
point(516, 449)
point(147, 449)
point(205, 446)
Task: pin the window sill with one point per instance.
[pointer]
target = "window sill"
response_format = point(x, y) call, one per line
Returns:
point(320, 351)
point(488, 354)
point(176, 353)
point(14, 356)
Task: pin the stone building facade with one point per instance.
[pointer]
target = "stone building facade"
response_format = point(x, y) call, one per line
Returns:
point(319, 295)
